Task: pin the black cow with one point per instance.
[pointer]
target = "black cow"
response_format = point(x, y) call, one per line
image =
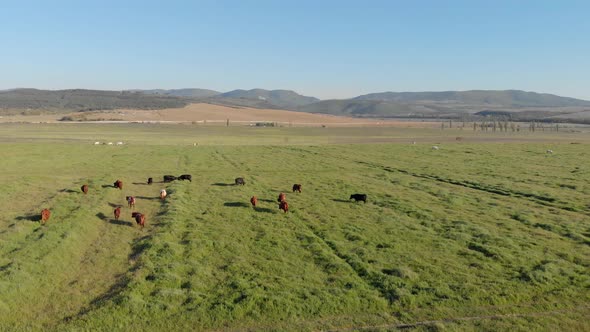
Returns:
point(150, 180)
point(186, 177)
point(240, 181)
point(359, 197)
point(169, 178)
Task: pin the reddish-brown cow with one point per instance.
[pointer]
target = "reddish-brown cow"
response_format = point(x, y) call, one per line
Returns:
point(118, 184)
point(139, 218)
point(45, 214)
point(117, 213)
point(84, 189)
point(282, 197)
point(297, 187)
point(254, 201)
point(283, 205)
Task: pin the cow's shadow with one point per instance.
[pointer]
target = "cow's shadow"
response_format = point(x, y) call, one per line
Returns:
point(108, 186)
point(236, 204)
point(148, 198)
point(221, 184)
point(140, 183)
point(121, 222)
point(30, 217)
point(70, 191)
point(341, 200)
point(263, 210)
point(115, 205)
point(266, 200)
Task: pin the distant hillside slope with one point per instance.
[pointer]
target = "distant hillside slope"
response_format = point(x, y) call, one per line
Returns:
point(492, 97)
point(186, 93)
point(281, 98)
point(84, 100)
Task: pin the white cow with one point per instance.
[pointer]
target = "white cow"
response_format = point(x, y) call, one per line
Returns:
point(434, 147)
point(549, 151)
point(119, 143)
point(163, 194)
point(96, 143)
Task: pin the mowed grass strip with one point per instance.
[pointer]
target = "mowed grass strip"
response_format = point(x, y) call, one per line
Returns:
point(418, 250)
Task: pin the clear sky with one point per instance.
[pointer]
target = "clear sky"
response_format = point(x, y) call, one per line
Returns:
point(323, 48)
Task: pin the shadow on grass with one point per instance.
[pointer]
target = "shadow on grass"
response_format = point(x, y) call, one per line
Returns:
point(236, 204)
point(108, 186)
point(70, 191)
point(121, 222)
point(30, 217)
point(115, 205)
point(219, 184)
point(148, 198)
point(341, 200)
point(263, 210)
point(140, 183)
point(266, 200)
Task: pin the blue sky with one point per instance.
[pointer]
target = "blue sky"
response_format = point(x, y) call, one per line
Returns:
point(327, 49)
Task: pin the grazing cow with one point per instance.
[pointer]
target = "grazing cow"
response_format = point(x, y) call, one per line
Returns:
point(96, 143)
point(163, 194)
point(117, 213)
point(282, 197)
point(150, 180)
point(130, 201)
point(283, 205)
point(297, 187)
point(435, 147)
point(359, 197)
point(240, 181)
point(139, 218)
point(118, 184)
point(254, 201)
point(45, 214)
point(186, 177)
point(84, 189)
point(169, 178)
point(549, 151)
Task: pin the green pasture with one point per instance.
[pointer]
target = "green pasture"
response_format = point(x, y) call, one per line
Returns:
point(489, 232)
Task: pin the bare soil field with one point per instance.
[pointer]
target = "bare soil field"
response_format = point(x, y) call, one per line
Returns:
point(217, 114)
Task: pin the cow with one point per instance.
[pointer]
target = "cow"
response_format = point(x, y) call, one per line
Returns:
point(240, 181)
point(281, 198)
point(297, 187)
point(283, 205)
point(169, 178)
point(118, 184)
point(45, 214)
point(163, 194)
point(359, 197)
point(549, 151)
point(139, 218)
point(84, 189)
point(117, 213)
point(186, 177)
point(150, 180)
point(130, 201)
point(254, 201)
point(434, 147)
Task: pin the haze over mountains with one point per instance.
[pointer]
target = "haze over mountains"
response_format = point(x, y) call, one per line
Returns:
point(516, 104)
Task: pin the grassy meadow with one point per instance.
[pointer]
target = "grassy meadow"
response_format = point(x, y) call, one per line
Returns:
point(487, 233)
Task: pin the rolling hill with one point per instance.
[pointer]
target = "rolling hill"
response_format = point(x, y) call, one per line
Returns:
point(282, 98)
point(185, 93)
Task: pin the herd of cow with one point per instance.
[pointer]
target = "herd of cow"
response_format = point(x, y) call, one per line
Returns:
point(140, 217)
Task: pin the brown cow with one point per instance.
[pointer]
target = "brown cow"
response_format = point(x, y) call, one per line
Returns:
point(118, 184)
point(84, 189)
point(283, 205)
point(281, 198)
point(254, 201)
point(117, 213)
point(297, 187)
point(139, 218)
point(130, 201)
point(45, 214)
point(163, 194)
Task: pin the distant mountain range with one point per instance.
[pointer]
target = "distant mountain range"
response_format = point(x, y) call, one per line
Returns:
point(515, 104)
